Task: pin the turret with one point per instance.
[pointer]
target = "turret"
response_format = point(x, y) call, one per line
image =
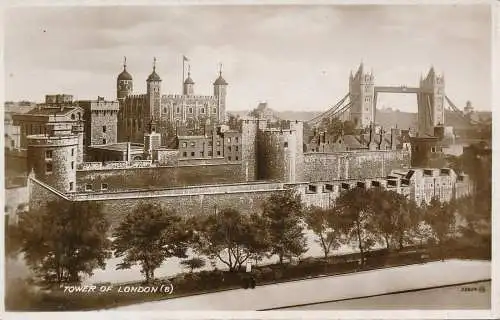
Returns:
point(153, 83)
point(220, 91)
point(188, 88)
point(124, 83)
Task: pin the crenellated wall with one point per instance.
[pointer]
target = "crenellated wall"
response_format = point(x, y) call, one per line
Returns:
point(353, 164)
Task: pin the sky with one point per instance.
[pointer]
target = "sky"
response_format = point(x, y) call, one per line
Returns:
point(297, 58)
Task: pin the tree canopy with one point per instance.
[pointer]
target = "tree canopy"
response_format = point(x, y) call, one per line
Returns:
point(64, 241)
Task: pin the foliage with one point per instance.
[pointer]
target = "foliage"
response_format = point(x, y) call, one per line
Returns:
point(64, 240)
point(441, 218)
point(326, 225)
point(231, 237)
point(147, 236)
point(193, 263)
point(334, 126)
point(283, 212)
point(355, 209)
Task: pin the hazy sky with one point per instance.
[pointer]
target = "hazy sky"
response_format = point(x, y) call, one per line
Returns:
point(294, 57)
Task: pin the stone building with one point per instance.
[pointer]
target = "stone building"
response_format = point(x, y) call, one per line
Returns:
point(361, 93)
point(101, 118)
point(169, 111)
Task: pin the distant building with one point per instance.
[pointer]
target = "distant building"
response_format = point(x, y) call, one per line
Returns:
point(101, 119)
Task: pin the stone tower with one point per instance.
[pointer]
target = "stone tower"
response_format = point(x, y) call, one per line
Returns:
point(361, 94)
point(188, 88)
point(431, 103)
point(153, 83)
point(220, 91)
point(53, 158)
point(124, 83)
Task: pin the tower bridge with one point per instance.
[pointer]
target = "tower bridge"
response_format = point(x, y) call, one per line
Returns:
point(359, 104)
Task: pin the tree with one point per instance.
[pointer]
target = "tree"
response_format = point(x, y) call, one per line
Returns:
point(326, 225)
point(283, 212)
point(147, 236)
point(231, 237)
point(354, 207)
point(441, 218)
point(65, 240)
point(349, 127)
point(193, 263)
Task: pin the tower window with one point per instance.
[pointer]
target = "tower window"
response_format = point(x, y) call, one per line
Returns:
point(184, 154)
point(103, 141)
point(236, 158)
point(215, 110)
point(72, 152)
point(236, 140)
point(202, 110)
point(210, 153)
point(71, 186)
point(184, 144)
point(285, 144)
point(48, 167)
point(88, 187)
point(48, 154)
point(192, 154)
point(229, 158)
point(104, 186)
point(72, 165)
point(236, 148)
point(190, 110)
point(178, 110)
point(229, 148)
point(210, 143)
point(104, 129)
point(218, 153)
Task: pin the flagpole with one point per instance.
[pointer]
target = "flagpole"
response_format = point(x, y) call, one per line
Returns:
point(183, 67)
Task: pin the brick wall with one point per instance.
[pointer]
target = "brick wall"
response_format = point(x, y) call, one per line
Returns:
point(160, 177)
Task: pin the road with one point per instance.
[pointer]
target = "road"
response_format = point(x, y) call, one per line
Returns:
point(331, 288)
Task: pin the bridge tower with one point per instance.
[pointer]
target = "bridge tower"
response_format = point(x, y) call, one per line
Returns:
point(361, 94)
point(430, 103)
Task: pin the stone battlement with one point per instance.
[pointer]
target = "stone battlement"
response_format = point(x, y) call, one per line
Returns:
point(192, 97)
point(42, 140)
point(110, 165)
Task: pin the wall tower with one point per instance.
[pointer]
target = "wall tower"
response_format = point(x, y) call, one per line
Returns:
point(124, 83)
point(153, 83)
point(220, 91)
point(431, 103)
point(361, 94)
point(53, 158)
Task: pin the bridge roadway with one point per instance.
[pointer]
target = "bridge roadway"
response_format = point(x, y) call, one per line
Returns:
point(330, 288)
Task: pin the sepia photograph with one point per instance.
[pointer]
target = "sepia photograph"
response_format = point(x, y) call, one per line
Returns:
point(248, 157)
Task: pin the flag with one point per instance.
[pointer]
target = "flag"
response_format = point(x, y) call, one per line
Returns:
point(185, 58)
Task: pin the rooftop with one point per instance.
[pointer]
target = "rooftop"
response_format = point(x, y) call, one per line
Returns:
point(120, 146)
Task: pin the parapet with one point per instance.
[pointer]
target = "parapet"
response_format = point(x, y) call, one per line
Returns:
point(40, 140)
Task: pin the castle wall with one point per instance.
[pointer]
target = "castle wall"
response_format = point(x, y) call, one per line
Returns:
point(119, 179)
point(353, 165)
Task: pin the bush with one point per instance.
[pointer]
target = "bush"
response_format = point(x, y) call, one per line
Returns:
point(278, 274)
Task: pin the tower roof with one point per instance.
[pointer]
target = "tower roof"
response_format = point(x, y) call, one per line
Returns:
point(188, 79)
point(124, 75)
point(154, 76)
point(220, 80)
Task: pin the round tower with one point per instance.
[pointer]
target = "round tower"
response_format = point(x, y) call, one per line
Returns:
point(277, 155)
point(124, 83)
point(53, 160)
point(153, 85)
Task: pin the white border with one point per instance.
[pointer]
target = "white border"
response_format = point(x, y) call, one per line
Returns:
point(408, 314)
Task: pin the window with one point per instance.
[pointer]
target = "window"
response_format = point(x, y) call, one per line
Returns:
point(285, 145)
point(210, 153)
point(178, 110)
point(215, 110)
point(104, 186)
point(210, 143)
point(218, 153)
point(72, 152)
point(184, 144)
point(72, 165)
point(164, 110)
point(71, 186)
point(236, 148)
point(104, 129)
point(193, 144)
point(229, 158)
point(202, 154)
point(236, 158)
point(184, 154)
point(217, 143)
point(48, 168)
point(103, 141)
point(48, 154)
point(228, 140)
point(229, 148)
point(202, 110)
point(88, 187)
point(192, 154)
point(190, 110)
point(433, 149)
